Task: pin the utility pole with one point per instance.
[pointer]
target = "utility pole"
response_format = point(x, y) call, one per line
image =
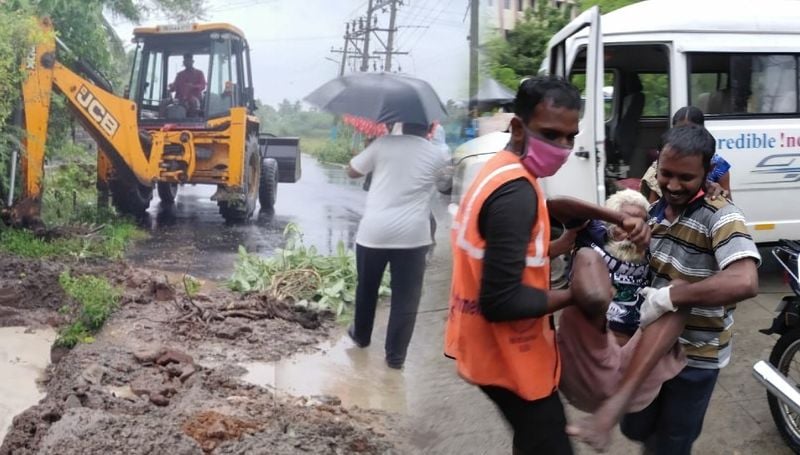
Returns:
point(358, 37)
point(367, 33)
point(344, 51)
point(473, 50)
point(390, 40)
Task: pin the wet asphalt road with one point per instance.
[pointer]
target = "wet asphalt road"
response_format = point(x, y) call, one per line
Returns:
point(192, 237)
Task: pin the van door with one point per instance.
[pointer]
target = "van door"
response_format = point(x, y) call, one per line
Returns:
point(583, 175)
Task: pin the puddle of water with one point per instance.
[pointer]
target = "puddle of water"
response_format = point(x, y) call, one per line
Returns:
point(24, 354)
point(359, 377)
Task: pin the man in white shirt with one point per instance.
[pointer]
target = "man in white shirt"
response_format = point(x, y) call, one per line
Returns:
point(394, 230)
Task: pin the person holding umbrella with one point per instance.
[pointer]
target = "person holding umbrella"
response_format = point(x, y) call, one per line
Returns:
point(394, 231)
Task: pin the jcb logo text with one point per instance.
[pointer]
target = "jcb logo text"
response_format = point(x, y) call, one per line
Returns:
point(97, 111)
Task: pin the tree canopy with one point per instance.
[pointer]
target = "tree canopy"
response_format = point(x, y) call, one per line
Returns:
point(521, 52)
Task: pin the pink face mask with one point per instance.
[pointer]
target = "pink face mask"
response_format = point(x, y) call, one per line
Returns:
point(542, 158)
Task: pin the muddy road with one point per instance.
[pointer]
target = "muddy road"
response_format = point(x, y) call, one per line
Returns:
point(191, 236)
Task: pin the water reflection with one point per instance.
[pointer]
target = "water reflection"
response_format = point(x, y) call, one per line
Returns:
point(24, 354)
point(325, 203)
point(359, 377)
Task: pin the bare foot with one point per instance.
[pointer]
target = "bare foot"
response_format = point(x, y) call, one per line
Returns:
point(593, 431)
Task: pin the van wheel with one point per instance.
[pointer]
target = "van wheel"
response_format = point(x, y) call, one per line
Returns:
point(268, 188)
point(240, 210)
point(129, 196)
point(167, 192)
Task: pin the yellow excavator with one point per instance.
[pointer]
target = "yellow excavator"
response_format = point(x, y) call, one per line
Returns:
point(155, 137)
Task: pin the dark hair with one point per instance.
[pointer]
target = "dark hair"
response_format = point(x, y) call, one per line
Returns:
point(188, 57)
point(415, 129)
point(534, 90)
point(691, 140)
point(689, 114)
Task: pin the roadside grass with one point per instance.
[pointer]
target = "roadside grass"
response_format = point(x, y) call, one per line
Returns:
point(301, 275)
point(110, 241)
point(326, 150)
point(96, 299)
point(78, 228)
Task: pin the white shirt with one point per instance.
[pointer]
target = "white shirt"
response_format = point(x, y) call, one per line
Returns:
point(397, 214)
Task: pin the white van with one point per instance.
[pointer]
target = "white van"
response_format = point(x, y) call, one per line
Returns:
point(737, 60)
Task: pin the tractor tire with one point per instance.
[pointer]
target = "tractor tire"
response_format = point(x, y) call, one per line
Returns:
point(241, 210)
point(167, 192)
point(130, 197)
point(268, 188)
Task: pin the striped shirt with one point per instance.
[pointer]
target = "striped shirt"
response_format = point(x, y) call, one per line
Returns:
point(707, 237)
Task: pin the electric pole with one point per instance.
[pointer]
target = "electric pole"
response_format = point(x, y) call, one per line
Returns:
point(473, 50)
point(344, 51)
point(390, 41)
point(362, 30)
point(367, 33)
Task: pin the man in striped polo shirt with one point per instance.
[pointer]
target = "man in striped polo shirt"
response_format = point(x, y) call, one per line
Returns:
point(704, 243)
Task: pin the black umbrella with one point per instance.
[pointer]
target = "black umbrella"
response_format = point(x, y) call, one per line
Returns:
point(382, 97)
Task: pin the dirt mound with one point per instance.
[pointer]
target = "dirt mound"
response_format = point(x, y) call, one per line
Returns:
point(163, 376)
point(210, 428)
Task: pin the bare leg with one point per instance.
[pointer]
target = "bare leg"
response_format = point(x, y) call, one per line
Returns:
point(657, 339)
point(591, 287)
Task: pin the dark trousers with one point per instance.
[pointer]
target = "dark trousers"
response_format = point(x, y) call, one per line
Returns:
point(406, 268)
point(539, 426)
point(674, 420)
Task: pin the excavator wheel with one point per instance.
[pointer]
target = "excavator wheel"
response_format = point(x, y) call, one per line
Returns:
point(167, 192)
point(130, 198)
point(241, 210)
point(268, 188)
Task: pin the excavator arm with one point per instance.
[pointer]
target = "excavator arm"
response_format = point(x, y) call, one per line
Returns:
point(110, 120)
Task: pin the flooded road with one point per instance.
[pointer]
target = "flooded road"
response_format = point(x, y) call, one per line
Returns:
point(192, 237)
point(24, 354)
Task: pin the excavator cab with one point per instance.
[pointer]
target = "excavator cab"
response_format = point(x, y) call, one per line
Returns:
point(191, 73)
point(186, 117)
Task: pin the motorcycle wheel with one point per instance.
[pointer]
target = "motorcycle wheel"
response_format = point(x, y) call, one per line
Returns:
point(785, 358)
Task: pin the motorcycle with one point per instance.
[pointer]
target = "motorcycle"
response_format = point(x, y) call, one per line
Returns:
point(781, 374)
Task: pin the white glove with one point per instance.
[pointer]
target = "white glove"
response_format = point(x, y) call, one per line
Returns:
point(656, 303)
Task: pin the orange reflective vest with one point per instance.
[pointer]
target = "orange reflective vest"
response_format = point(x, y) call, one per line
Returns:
point(520, 356)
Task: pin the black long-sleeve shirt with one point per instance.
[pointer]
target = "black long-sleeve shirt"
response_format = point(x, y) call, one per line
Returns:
point(505, 222)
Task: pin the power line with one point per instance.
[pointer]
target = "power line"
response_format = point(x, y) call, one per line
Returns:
point(412, 47)
point(360, 32)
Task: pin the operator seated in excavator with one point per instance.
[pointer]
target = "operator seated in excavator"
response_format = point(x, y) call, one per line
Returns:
point(188, 87)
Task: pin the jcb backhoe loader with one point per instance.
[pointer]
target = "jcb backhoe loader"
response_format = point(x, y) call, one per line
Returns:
point(151, 140)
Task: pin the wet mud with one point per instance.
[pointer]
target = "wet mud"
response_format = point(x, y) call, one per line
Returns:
point(164, 374)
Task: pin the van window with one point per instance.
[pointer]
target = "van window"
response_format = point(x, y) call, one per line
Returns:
point(655, 87)
point(579, 81)
point(744, 84)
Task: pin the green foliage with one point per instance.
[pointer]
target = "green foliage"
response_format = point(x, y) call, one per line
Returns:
point(656, 94)
point(520, 54)
point(96, 299)
point(191, 285)
point(606, 5)
point(337, 275)
point(110, 241)
point(290, 119)
point(334, 151)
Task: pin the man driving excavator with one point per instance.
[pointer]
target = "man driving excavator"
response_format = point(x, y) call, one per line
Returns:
point(188, 86)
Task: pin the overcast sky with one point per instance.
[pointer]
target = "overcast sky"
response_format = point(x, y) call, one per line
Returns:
point(291, 39)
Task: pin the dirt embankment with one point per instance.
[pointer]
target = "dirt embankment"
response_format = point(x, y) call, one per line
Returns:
point(163, 375)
